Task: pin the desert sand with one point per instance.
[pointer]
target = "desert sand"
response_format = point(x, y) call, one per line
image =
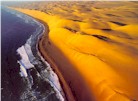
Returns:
point(94, 46)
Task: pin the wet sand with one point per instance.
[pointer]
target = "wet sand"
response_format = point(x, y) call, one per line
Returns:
point(97, 54)
point(44, 53)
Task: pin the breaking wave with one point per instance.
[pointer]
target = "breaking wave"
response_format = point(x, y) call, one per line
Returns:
point(41, 83)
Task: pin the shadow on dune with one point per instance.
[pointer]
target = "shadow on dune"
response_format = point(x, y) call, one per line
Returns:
point(71, 76)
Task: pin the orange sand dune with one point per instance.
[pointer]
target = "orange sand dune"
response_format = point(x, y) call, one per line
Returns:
point(95, 47)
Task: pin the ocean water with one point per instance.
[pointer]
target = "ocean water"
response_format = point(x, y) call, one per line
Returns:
point(25, 75)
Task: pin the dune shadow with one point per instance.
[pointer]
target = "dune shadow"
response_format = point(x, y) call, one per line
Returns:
point(70, 29)
point(68, 71)
point(118, 23)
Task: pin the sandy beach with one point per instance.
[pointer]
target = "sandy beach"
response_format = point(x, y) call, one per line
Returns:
point(66, 88)
point(95, 51)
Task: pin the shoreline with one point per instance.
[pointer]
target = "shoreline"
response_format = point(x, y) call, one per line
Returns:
point(88, 70)
point(46, 57)
point(68, 89)
point(44, 60)
point(67, 94)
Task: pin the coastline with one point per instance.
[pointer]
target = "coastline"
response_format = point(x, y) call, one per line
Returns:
point(62, 82)
point(43, 53)
point(70, 96)
point(66, 89)
point(63, 94)
point(69, 93)
point(98, 74)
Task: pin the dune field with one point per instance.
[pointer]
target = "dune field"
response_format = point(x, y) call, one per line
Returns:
point(93, 44)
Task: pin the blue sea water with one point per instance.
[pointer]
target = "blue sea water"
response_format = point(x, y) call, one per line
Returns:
point(20, 33)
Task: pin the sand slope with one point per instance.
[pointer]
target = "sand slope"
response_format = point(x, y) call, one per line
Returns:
point(98, 42)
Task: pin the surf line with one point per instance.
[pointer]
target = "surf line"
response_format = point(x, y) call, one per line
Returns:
point(56, 84)
point(23, 69)
point(25, 64)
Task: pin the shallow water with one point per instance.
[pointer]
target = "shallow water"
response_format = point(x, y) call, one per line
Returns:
point(25, 76)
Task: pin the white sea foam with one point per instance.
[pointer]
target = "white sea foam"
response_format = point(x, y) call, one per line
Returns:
point(29, 52)
point(54, 80)
point(25, 52)
point(23, 71)
point(27, 58)
point(24, 62)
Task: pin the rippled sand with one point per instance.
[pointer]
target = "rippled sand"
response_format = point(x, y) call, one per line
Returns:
point(95, 46)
